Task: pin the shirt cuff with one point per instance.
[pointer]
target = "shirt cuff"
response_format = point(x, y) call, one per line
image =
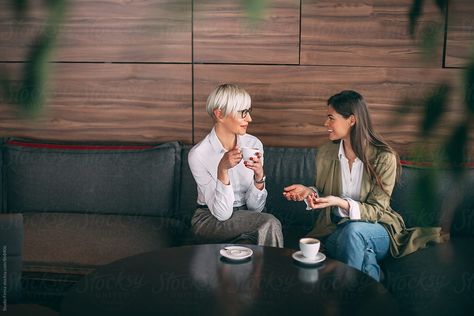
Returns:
point(353, 212)
point(256, 192)
point(308, 208)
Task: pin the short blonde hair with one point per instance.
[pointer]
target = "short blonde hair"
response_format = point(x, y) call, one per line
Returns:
point(229, 98)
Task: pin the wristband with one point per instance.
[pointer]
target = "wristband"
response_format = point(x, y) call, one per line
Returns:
point(260, 181)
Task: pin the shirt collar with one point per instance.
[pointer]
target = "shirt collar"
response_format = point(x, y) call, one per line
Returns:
point(342, 154)
point(216, 143)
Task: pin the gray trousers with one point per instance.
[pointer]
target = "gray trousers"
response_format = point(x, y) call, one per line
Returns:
point(243, 227)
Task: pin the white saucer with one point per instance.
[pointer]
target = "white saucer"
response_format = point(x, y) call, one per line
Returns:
point(236, 252)
point(298, 256)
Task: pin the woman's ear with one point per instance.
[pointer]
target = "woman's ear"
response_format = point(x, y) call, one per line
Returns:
point(352, 120)
point(218, 114)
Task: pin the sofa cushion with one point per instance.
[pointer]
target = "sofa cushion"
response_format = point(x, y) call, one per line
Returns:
point(438, 280)
point(95, 179)
point(77, 243)
point(283, 167)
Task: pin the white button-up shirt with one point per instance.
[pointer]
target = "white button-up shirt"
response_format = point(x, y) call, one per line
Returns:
point(351, 184)
point(203, 160)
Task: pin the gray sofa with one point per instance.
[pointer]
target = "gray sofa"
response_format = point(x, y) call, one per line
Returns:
point(85, 205)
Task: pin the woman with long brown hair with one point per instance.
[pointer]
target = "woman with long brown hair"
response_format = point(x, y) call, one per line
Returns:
point(355, 176)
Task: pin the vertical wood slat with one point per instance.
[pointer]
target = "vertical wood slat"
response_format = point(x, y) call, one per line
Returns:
point(366, 33)
point(224, 33)
point(109, 102)
point(460, 33)
point(104, 30)
point(290, 102)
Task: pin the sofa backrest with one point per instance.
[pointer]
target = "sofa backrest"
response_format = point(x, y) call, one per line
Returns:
point(283, 167)
point(188, 189)
point(426, 196)
point(92, 178)
point(418, 195)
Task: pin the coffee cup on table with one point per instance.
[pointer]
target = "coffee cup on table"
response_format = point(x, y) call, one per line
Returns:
point(309, 247)
point(248, 152)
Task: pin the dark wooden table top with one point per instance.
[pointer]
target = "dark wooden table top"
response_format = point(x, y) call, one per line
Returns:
point(196, 279)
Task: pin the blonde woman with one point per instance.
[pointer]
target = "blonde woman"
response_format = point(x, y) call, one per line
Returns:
point(231, 192)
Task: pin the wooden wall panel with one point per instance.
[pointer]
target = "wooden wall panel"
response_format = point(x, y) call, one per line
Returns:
point(364, 33)
point(223, 33)
point(110, 102)
point(460, 36)
point(290, 102)
point(104, 30)
point(147, 95)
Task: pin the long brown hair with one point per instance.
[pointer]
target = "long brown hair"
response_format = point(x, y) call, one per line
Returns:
point(349, 103)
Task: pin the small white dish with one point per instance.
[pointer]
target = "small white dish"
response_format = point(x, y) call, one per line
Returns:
point(298, 256)
point(236, 252)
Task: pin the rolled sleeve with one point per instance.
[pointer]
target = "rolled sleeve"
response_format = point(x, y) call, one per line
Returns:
point(353, 212)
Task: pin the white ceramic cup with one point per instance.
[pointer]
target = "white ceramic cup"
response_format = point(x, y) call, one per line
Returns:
point(309, 247)
point(248, 152)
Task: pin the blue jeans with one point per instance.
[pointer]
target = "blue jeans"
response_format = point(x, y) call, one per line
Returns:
point(359, 245)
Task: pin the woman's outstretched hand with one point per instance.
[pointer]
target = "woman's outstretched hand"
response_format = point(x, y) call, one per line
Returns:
point(327, 201)
point(297, 192)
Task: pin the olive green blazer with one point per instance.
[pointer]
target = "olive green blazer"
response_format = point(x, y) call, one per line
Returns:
point(374, 202)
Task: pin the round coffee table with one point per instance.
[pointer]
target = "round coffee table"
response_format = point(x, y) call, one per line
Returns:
point(197, 279)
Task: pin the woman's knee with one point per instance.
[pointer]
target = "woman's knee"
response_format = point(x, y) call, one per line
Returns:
point(353, 230)
point(270, 220)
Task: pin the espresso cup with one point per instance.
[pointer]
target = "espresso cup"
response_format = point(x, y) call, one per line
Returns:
point(248, 152)
point(309, 247)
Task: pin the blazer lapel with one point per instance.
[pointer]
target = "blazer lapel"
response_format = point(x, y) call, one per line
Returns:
point(366, 183)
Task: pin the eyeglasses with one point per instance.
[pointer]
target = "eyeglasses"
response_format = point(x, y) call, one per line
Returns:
point(243, 113)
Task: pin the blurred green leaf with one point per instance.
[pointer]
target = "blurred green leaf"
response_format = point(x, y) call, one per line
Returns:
point(435, 105)
point(5, 88)
point(255, 9)
point(32, 94)
point(415, 12)
point(431, 35)
point(442, 5)
point(20, 7)
point(456, 146)
point(424, 201)
point(32, 91)
point(469, 87)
